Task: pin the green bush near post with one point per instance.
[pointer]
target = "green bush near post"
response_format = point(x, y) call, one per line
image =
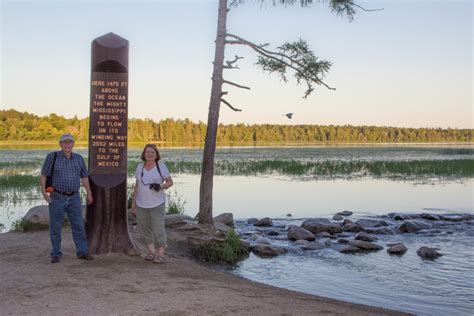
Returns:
point(230, 252)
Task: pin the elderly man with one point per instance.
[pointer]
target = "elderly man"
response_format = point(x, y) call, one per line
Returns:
point(67, 170)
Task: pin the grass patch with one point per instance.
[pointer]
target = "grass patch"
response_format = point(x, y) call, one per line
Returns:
point(415, 169)
point(23, 225)
point(230, 252)
point(18, 181)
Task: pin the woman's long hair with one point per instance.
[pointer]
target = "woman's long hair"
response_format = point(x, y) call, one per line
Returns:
point(152, 146)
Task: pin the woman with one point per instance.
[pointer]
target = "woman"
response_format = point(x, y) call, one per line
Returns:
point(149, 202)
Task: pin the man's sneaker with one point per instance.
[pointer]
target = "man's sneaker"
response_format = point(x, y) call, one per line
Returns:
point(86, 257)
point(55, 260)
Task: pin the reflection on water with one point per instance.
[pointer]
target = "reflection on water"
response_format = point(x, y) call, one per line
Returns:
point(247, 197)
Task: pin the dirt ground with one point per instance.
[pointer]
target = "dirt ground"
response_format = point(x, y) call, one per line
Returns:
point(128, 285)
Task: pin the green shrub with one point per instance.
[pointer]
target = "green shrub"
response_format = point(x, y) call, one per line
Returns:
point(175, 203)
point(230, 252)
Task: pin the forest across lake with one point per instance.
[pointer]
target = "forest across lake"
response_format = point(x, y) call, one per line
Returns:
point(24, 126)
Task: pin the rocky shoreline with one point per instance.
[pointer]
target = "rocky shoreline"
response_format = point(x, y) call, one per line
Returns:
point(268, 237)
point(265, 236)
point(118, 284)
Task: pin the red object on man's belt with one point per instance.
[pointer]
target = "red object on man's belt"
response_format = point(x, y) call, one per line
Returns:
point(49, 189)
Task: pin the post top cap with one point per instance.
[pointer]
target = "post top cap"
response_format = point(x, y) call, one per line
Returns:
point(111, 40)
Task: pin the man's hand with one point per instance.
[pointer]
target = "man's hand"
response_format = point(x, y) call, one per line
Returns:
point(134, 210)
point(47, 197)
point(90, 199)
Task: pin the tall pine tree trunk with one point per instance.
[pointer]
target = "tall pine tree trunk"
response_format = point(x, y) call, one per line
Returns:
point(207, 175)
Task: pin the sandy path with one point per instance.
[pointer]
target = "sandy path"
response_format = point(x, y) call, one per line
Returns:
point(124, 285)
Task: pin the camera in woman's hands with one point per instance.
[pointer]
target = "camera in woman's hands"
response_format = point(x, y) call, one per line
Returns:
point(155, 186)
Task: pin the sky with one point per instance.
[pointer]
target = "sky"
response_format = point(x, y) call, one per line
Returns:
point(410, 65)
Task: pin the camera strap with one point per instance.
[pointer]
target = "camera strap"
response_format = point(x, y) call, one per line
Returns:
point(158, 167)
point(143, 168)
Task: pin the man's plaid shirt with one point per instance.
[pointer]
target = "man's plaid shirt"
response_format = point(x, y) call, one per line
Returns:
point(67, 172)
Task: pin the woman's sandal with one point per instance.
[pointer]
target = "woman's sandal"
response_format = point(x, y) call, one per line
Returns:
point(159, 260)
point(150, 257)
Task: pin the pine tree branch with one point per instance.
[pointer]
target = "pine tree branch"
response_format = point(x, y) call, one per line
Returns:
point(367, 10)
point(284, 59)
point(231, 63)
point(230, 106)
point(235, 42)
point(236, 85)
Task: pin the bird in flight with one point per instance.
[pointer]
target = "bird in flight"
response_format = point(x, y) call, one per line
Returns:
point(288, 115)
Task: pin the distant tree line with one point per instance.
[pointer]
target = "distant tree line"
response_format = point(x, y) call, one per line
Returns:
point(17, 126)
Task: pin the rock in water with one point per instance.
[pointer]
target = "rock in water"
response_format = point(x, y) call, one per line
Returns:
point(364, 237)
point(413, 226)
point(398, 249)
point(263, 241)
point(428, 253)
point(266, 221)
point(364, 245)
point(364, 222)
point(267, 250)
point(353, 228)
point(430, 217)
point(316, 245)
point(345, 213)
point(318, 226)
point(252, 220)
point(349, 249)
point(296, 233)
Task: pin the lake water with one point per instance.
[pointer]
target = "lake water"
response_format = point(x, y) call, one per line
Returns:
point(318, 182)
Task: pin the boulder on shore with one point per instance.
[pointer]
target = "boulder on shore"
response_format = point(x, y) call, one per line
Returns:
point(174, 220)
point(40, 214)
point(225, 218)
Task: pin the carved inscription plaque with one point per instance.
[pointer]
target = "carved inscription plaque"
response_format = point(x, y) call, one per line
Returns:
point(108, 126)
